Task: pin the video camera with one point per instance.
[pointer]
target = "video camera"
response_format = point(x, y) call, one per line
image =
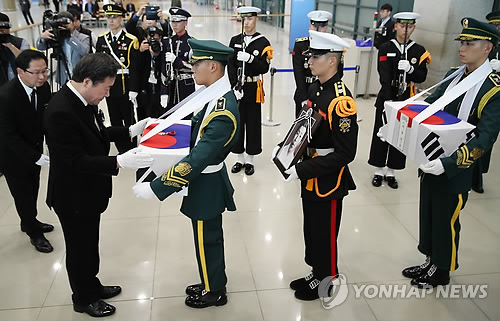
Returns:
point(154, 43)
point(54, 21)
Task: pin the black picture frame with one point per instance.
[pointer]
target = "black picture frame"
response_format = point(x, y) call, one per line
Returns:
point(295, 143)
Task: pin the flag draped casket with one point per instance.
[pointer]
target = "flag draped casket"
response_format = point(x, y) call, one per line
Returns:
point(437, 136)
point(168, 146)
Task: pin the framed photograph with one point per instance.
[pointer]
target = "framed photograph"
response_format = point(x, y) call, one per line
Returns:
point(295, 143)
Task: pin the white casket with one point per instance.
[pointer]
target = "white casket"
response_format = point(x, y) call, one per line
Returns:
point(437, 136)
point(168, 146)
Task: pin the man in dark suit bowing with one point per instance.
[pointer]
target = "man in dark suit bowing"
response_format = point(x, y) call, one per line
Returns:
point(23, 100)
point(80, 174)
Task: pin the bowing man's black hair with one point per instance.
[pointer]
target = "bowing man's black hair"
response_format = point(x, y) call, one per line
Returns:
point(97, 67)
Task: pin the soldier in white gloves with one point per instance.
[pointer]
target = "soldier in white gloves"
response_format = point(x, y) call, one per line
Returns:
point(80, 174)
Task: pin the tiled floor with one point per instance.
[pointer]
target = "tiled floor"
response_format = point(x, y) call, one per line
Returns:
point(147, 247)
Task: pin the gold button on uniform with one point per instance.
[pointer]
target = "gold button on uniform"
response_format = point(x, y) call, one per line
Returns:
point(317, 94)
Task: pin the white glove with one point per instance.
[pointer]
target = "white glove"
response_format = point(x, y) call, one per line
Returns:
point(238, 94)
point(244, 56)
point(304, 103)
point(405, 66)
point(169, 57)
point(138, 128)
point(134, 159)
point(273, 154)
point(434, 167)
point(143, 190)
point(43, 161)
point(132, 96)
point(379, 135)
point(495, 64)
point(164, 101)
point(293, 174)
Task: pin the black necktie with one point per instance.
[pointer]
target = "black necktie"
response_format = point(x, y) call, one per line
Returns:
point(95, 116)
point(33, 98)
point(114, 39)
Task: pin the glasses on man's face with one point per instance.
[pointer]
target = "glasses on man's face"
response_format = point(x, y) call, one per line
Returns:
point(44, 72)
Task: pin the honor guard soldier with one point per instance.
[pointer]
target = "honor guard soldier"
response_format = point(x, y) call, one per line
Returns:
point(324, 172)
point(123, 47)
point(484, 163)
point(301, 72)
point(214, 131)
point(251, 58)
point(177, 75)
point(401, 63)
point(445, 182)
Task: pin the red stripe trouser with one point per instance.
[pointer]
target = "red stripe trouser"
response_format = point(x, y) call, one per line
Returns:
point(321, 229)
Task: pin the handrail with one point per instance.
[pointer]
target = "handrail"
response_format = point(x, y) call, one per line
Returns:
point(26, 27)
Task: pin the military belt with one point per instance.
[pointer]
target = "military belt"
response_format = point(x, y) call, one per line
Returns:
point(251, 79)
point(319, 151)
point(184, 76)
point(122, 71)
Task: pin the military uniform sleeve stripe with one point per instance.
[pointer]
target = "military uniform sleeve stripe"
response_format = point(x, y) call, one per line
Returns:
point(484, 100)
point(425, 56)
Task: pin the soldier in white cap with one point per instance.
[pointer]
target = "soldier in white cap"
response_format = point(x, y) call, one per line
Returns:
point(251, 59)
point(301, 72)
point(323, 172)
point(401, 63)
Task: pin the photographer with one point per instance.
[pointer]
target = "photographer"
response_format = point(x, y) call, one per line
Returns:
point(69, 45)
point(141, 31)
point(150, 74)
point(10, 47)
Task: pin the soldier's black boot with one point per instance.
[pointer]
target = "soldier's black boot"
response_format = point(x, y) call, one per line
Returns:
point(310, 292)
point(236, 167)
point(207, 299)
point(301, 283)
point(434, 277)
point(392, 182)
point(414, 272)
point(377, 180)
point(195, 289)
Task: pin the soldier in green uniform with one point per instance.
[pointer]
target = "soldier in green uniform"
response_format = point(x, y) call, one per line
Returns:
point(210, 193)
point(301, 72)
point(445, 182)
point(484, 163)
point(124, 48)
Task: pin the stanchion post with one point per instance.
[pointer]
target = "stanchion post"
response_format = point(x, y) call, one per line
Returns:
point(270, 121)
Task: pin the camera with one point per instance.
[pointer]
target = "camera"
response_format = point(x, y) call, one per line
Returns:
point(54, 21)
point(154, 43)
point(152, 12)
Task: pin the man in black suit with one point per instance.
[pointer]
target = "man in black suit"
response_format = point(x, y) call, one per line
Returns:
point(385, 25)
point(92, 7)
point(21, 141)
point(80, 174)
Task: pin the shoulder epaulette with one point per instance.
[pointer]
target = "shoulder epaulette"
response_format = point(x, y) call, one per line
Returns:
point(302, 39)
point(340, 88)
point(495, 79)
point(103, 34)
point(131, 36)
point(221, 104)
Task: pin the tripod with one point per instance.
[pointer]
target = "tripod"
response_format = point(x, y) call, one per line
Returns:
point(60, 57)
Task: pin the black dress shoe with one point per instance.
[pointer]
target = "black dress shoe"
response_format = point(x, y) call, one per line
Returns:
point(109, 291)
point(207, 299)
point(392, 182)
point(301, 283)
point(310, 292)
point(249, 169)
point(377, 180)
point(478, 189)
point(236, 167)
point(434, 277)
point(416, 271)
point(44, 227)
point(195, 289)
point(41, 244)
point(96, 309)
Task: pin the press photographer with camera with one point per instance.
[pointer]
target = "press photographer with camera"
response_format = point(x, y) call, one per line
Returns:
point(149, 16)
point(78, 26)
point(10, 47)
point(69, 45)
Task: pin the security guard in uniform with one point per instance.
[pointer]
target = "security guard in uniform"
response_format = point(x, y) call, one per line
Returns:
point(484, 163)
point(301, 72)
point(252, 56)
point(177, 76)
point(324, 172)
point(210, 193)
point(391, 66)
point(123, 47)
point(445, 182)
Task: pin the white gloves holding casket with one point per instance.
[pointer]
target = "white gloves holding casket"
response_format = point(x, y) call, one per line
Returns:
point(495, 64)
point(293, 174)
point(138, 128)
point(134, 158)
point(244, 56)
point(405, 66)
point(169, 57)
point(43, 161)
point(132, 96)
point(164, 101)
point(434, 167)
point(143, 190)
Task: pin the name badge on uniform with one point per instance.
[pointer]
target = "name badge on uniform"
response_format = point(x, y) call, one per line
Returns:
point(237, 45)
point(391, 54)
